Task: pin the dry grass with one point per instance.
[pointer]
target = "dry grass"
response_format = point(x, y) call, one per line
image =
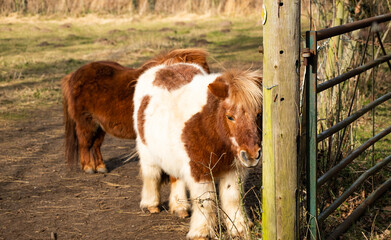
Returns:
point(140, 7)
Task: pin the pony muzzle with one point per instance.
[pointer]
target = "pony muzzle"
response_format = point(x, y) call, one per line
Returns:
point(247, 161)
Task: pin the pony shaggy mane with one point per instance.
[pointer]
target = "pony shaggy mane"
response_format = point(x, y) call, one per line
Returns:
point(190, 55)
point(245, 88)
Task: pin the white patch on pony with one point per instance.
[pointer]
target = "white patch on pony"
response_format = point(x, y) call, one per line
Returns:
point(165, 118)
point(151, 174)
point(230, 203)
point(203, 218)
point(178, 199)
point(234, 142)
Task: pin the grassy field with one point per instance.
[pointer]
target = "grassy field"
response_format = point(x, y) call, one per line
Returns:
point(36, 52)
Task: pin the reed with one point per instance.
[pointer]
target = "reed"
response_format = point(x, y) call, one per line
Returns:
point(140, 7)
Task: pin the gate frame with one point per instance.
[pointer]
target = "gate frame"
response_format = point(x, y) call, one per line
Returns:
point(312, 139)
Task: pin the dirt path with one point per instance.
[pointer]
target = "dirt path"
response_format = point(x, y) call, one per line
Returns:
point(40, 197)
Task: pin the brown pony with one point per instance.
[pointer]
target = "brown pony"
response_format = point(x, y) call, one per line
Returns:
point(98, 99)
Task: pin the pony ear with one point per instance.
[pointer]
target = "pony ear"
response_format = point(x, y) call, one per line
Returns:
point(219, 89)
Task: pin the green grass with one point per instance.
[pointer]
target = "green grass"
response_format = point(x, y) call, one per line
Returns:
point(36, 52)
point(13, 116)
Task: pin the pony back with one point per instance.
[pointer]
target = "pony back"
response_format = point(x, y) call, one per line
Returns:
point(190, 55)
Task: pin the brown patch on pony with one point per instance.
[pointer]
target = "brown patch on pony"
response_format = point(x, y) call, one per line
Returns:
point(172, 179)
point(175, 76)
point(190, 55)
point(141, 116)
point(219, 88)
point(214, 155)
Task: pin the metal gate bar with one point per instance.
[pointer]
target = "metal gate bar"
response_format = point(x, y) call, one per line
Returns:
point(338, 30)
point(382, 47)
point(323, 215)
point(327, 133)
point(353, 155)
point(359, 210)
point(343, 77)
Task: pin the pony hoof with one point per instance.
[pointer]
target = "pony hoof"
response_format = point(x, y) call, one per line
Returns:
point(181, 213)
point(89, 170)
point(101, 169)
point(151, 210)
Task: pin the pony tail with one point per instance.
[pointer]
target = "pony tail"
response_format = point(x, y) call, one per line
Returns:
point(71, 143)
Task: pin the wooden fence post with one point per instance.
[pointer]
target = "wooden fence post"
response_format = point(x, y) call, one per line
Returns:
point(281, 76)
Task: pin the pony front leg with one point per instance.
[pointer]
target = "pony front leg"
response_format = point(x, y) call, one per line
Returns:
point(150, 195)
point(203, 217)
point(178, 203)
point(86, 159)
point(229, 191)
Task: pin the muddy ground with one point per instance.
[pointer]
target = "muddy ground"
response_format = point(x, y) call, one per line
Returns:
point(40, 198)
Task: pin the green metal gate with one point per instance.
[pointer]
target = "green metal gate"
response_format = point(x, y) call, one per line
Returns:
point(313, 138)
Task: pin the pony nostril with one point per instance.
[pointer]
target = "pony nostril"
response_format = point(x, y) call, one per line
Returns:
point(259, 154)
point(243, 154)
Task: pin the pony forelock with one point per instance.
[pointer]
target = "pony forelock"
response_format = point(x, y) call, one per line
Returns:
point(245, 88)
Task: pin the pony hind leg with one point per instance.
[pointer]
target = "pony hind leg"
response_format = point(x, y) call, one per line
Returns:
point(151, 176)
point(178, 203)
point(100, 166)
point(86, 131)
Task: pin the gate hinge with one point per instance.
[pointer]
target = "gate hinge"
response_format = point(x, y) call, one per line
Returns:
point(307, 53)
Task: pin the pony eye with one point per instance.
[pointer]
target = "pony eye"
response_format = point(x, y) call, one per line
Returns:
point(230, 118)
